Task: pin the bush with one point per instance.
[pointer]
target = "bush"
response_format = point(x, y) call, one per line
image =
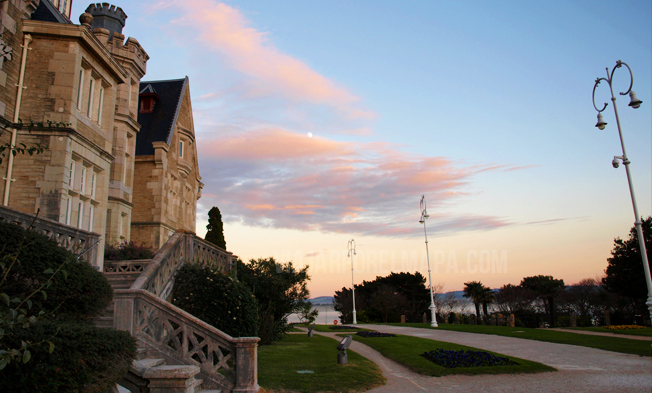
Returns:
point(82, 296)
point(128, 251)
point(85, 358)
point(216, 299)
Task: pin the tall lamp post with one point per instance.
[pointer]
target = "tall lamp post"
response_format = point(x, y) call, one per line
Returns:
point(422, 220)
point(351, 247)
point(634, 103)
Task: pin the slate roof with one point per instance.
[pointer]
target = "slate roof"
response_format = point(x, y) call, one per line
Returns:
point(158, 125)
point(47, 12)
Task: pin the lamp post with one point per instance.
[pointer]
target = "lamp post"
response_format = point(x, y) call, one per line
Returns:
point(351, 247)
point(634, 103)
point(422, 220)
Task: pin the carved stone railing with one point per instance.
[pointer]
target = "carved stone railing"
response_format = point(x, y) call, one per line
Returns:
point(132, 266)
point(226, 363)
point(180, 248)
point(72, 239)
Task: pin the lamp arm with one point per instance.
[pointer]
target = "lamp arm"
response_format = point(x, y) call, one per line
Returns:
point(597, 82)
point(631, 76)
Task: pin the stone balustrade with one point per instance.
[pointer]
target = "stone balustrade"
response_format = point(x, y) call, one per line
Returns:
point(72, 239)
point(226, 363)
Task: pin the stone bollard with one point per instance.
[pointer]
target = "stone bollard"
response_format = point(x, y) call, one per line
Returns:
point(402, 318)
point(607, 318)
point(425, 318)
point(501, 322)
point(472, 319)
point(511, 321)
point(573, 320)
point(494, 320)
point(457, 319)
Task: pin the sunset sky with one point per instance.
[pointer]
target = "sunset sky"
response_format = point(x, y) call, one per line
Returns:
point(318, 122)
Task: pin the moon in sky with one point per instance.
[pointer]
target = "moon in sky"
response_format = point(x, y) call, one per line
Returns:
point(310, 135)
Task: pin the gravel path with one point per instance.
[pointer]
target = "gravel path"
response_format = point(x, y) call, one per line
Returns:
point(581, 369)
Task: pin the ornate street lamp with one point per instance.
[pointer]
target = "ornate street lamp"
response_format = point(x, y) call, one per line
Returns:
point(634, 103)
point(351, 247)
point(422, 220)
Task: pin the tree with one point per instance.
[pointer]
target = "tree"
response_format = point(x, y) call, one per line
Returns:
point(279, 290)
point(514, 299)
point(474, 290)
point(486, 296)
point(306, 313)
point(547, 289)
point(215, 228)
point(624, 273)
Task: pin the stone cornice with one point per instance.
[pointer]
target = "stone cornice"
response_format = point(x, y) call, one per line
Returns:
point(85, 37)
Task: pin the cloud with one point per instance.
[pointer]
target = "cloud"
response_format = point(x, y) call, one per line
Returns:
point(225, 30)
point(276, 178)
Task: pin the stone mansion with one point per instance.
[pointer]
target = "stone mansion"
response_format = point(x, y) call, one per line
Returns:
point(120, 157)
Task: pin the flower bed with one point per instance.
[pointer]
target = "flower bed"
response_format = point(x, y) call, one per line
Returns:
point(454, 359)
point(342, 327)
point(375, 334)
point(624, 327)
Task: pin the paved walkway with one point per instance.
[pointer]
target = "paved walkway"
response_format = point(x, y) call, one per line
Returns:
point(606, 334)
point(581, 369)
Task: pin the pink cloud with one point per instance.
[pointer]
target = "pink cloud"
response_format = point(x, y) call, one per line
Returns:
point(287, 180)
point(224, 29)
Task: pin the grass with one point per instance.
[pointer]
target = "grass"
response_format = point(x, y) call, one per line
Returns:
point(614, 344)
point(407, 350)
point(632, 332)
point(278, 365)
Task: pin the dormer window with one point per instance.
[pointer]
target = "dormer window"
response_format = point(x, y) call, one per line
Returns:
point(148, 98)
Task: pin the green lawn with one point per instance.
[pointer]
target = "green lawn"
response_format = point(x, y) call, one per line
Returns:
point(614, 344)
point(278, 365)
point(407, 350)
point(632, 332)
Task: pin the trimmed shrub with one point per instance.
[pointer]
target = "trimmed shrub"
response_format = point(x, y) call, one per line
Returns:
point(82, 296)
point(85, 358)
point(128, 251)
point(216, 299)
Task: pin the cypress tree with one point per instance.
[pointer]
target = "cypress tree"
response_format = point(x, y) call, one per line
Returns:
point(215, 228)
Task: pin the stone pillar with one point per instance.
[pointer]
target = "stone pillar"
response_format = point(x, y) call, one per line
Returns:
point(402, 318)
point(457, 319)
point(501, 322)
point(171, 379)
point(425, 318)
point(246, 364)
point(511, 322)
point(573, 320)
point(123, 311)
point(494, 320)
point(472, 319)
point(607, 318)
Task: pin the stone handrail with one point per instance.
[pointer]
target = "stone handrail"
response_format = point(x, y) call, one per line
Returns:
point(128, 266)
point(180, 247)
point(226, 362)
point(72, 239)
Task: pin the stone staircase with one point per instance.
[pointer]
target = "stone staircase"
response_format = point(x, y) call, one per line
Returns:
point(177, 352)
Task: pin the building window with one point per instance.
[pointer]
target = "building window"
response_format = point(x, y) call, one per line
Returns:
point(129, 96)
point(80, 87)
point(181, 149)
point(93, 181)
point(68, 210)
point(91, 214)
point(80, 214)
point(82, 181)
point(71, 175)
point(120, 226)
point(99, 109)
point(91, 92)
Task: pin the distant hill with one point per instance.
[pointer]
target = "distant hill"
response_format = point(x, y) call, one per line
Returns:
point(322, 300)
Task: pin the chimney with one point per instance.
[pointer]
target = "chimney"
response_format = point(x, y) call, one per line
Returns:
point(108, 17)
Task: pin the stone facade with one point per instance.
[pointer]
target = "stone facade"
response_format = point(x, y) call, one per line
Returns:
point(167, 183)
point(81, 90)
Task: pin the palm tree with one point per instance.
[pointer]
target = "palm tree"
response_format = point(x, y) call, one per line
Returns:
point(474, 290)
point(487, 296)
